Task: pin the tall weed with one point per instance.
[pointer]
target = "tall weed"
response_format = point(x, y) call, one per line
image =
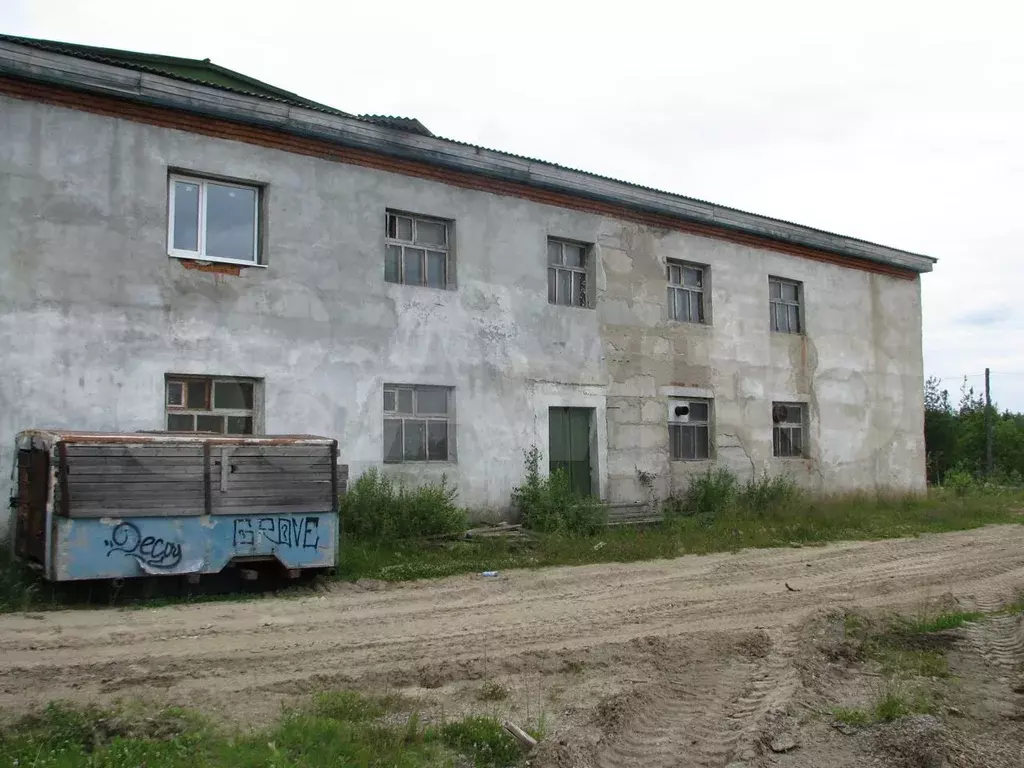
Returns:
point(768, 494)
point(378, 508)
point(550, 505)
point(708, 497)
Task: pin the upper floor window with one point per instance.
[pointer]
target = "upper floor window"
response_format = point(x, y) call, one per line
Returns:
point(685, 292)
point(210, 404)
point(689, 429)
point(417, 423)
point(788, 427)
point(213, 220)
point(567, 273)
point(785, 299)
point(416, 250)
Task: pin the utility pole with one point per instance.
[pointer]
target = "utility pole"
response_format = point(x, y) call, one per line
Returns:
point(988, 425)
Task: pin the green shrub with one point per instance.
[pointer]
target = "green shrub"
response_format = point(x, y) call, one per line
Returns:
point(959, 480)
point(709, 496)
point(550, 505)
point(376, 508)
point(483, 740)
point(767, 494)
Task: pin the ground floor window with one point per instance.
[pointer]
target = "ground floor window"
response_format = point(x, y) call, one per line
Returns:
point(224, 406)
point(788, 428)
point(417, 423)
point(689, 429)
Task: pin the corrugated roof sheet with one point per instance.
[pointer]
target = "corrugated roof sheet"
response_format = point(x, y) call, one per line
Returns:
point(410, 124)
point(198, 71)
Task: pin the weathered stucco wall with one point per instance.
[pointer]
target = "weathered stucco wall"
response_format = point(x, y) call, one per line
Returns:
point(93, 314)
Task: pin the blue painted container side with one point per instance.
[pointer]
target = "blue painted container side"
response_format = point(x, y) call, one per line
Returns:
point(109, 548)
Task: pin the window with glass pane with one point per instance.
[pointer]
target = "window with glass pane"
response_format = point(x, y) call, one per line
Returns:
point(567, 273)
point(685, 292)
point(207, 404)
point(690, 439)
point(417, 423)
point(416, 250)
point(788, 427)
point(214, 220)
point(784, 298)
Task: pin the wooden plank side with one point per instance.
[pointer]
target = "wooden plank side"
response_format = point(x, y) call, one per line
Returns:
point(102, 510)
point(118, 495)
point(246, 495)
point(126, 470)
point(273, 452)
point(112, 450)
point(239, 468)
point(272, 508)
point(271, 480)
point(269, 484)
point(285, 499)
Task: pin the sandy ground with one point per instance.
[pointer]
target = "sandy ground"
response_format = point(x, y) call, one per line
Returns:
point(676, 662)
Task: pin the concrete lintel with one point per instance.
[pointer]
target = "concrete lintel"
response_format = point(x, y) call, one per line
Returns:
point(701, 392)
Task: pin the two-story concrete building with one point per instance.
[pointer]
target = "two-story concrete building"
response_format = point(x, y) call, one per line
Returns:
point(189, 249)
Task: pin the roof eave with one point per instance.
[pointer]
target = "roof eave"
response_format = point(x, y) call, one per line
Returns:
point(82, 74)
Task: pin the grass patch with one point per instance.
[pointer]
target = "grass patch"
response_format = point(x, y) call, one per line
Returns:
point(336, 729)
point(894, 702)
point(939, 623)
point(851, 716)
point(483, 740)
point(807, 521)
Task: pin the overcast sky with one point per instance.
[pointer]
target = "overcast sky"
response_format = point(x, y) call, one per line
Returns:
point(897, 122)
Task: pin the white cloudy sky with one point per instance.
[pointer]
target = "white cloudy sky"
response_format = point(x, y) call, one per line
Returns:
point(899, 122)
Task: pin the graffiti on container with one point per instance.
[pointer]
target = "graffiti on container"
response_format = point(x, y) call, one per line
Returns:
point(301, 532)
point(152, 550)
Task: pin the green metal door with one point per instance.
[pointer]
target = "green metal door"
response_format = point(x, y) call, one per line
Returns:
point(569, 436)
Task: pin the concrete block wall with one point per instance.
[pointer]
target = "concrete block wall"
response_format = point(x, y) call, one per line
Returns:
point(94, 314)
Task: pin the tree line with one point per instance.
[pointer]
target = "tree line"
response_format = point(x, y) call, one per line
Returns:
point(955, 435)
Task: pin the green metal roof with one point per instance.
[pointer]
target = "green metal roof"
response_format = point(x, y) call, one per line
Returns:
point(198, 71)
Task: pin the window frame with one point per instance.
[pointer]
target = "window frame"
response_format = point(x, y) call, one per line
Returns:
point(583, 272)
point(414, 414)
point(210, 382)
point(696, 426)
point(396, 242)
point(700, 291)
point(200, 253)
point(790, 427)
point(774, 303)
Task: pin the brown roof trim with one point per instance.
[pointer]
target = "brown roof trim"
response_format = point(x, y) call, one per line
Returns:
point(274, 139)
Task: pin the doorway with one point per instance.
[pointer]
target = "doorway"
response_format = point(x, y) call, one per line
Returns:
point(569, 433)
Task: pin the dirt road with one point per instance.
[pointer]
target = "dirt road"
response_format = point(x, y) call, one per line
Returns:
point(535, 630)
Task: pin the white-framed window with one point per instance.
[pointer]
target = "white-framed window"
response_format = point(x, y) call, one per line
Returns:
point(785, 299)
point(417, 250)
point(213, 220)
point(225, 406)
point(417, 423)
point(686, 292)
point(788, 427)
point(567, 272)
point(689, 429)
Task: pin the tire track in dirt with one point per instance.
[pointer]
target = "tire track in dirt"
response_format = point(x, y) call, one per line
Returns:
point(708, 717)
point(515, 622)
